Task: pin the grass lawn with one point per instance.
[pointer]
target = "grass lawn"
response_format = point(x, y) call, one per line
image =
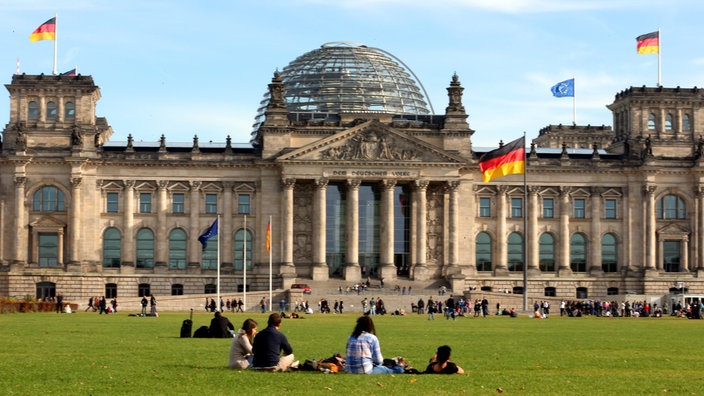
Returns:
point(87, 353)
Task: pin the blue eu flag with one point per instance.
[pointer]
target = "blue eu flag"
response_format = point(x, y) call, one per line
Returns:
point(209, 233)
point(564, 88)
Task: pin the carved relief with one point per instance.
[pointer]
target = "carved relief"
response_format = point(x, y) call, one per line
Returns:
point(372, 145)
point(303, 223)
point(435, 226)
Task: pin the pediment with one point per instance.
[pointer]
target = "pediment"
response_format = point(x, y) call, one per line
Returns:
point(674, 230)
point(47, 223)
point(179, 187)
point(211, 187)
point(484, 190)
point(110, 185)
point(580, 192)
point(550, 192)
point(371, 141)
point(612, 192)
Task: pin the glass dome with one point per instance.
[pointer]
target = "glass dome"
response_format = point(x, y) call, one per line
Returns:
point(348, 77)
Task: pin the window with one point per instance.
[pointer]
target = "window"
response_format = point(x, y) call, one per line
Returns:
point(240, 243)
point(209, 257)
point(609, 257)
point(33, 110)
point(110, 290)
point(178, 203)
point(243, 203)
point(176, 290)
point(671, 256)
point(610, 208)
point(145, 203)
point(49, 199)
point(484, 207)
point(548, 208)
point(671, 207)
point(582, 292)
point(112, 202)
point(211, 203)
point(651, 122)
point(145, 248)
point(111, 248)
point(516, 207)
point(550, 292)
point(578, 253)
point(517, 290)
point(580, 208)
point(51, 110)
point(686, 123)
point(515, 252)
point(547, 252)
point(483, 251)
point(177, 249)
point(143, 290)
point(668, 122)
point(48, 249)
point(210, 289)
point(45, 290)
point(69, 111)
point(612, 291)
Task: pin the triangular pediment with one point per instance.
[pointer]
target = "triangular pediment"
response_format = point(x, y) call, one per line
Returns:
point(674, 230)
point(371, 141)
point(47, 223)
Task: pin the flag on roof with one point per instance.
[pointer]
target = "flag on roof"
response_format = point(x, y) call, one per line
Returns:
point(45, 31)
point(506, 160)
point(648, 43)
point(563, 88)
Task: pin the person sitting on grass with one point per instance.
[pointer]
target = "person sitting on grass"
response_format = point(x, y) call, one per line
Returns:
point(241, 348)
point(268, 346)
point(220, 326)
point(364, 354)
point(440, 363)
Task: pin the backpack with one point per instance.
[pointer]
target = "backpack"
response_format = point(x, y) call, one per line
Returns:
point(202, 332)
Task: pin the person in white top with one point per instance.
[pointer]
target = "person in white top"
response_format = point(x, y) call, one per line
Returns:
point(241, 348)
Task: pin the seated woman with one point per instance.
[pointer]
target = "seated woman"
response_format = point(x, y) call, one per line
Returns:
point(441, 364)
point(363, 351)
point(241, 348)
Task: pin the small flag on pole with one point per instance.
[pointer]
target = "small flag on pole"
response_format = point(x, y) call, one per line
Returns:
point(505, 160)
point(71, 72)
point(563, 88)
point(209, 233)
point(268, 237)
point(648, 43)
point(46, 31)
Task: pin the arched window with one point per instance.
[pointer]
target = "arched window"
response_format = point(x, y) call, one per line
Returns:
point(145, 248)
point(515, 252)
point(609, 258)
point(240, 240)
point(209, 257)
point(483, 250)
point(51, 112)
point(48, 199)
point(578, 253)
point(69, 111)
point(651, 122)
point(668, 122)
point(111, 248)
point(686, 122)
point(33, 110)
point(547, 252)
point(177, 249)
point(671, 207)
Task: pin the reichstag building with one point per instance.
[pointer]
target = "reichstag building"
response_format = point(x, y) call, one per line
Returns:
point(359, 178)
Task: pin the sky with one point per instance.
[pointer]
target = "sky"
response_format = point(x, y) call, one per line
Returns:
point(185, 68)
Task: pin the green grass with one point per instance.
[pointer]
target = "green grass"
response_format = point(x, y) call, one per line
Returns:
point(90, 354)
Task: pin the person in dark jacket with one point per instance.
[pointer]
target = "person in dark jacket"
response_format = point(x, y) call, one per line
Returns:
point(268, 346)
point(219, 326)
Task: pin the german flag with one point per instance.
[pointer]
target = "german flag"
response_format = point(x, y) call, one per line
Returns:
point(648, 43)
point(46, 31)
point(268, 237)
point(505, 160)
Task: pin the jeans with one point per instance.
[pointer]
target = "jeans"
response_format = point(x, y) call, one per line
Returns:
point(398, 369)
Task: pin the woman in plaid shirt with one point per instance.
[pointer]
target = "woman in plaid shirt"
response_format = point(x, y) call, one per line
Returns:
point(363, 351)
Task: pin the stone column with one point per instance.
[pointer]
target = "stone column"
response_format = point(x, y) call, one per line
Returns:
point(20, 234)
point(685, 254)
point(564, 253)
point(287, 227)
point(595, 246)
point(161, 242)
point(353, 272)
point(532, 239)
point(420, 269)
point(453, 235)
point(650, 230)
point(501, 268)
point(195, 249)
point(75, 222)
point(387, 268)
point(128, 236)
point(699, 261)
point(60, 248)
point(320, 267)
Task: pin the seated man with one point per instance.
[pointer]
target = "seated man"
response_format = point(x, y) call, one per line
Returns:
point(268, 345)
point(219, 326)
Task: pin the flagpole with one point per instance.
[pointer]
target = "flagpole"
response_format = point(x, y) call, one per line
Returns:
point(659, 58)
point(525, 230)
point(56, 40)
point(218, 263)
point(244, 264)
point(270, 270)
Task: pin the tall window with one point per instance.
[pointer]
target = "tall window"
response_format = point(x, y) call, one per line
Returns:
point(335, 230)
point(548, 208)
point(145, 248)
point(610, 208)
point(516, 207)
point(547, 252)
point(671, 207)
point(69, 111)
point(578, 253)
point(145, 202)
point(402, 230)
point(515, 252)
point(177, 249)
point(113, 202)
point(243, 203)
point(243, 238)
point(369, 213)
point(609, 257)
point(48, 199)
point(178, 203)
point(51, 112)
point(483, 251)
point(580, 208)
point(33, 110)
point(484, 207)
point(48, 249)
point(651, 122)
point(686, 123)
point(671, 256)
point(668, 122)
point(209, 257)
point(211, 203)
point(111, 248)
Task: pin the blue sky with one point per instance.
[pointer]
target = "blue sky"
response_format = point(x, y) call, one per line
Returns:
point(181, 68)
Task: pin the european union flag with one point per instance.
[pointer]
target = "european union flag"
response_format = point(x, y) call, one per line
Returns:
point(564, 88)
point(209, 233)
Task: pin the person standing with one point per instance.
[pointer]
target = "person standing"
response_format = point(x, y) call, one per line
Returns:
point(144, 303)
point(90, 304)
point(269, 345)
point(431, 308)
point(152, 305)
point(240, 304)
point(364, 352)
point(262, 304)
point(59, 303)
